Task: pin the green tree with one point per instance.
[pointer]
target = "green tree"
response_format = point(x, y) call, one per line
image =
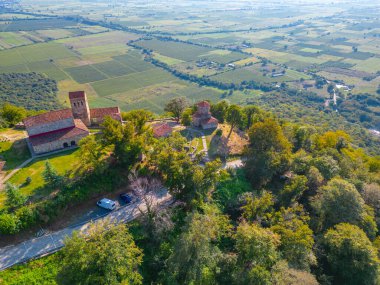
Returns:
point(256, 246)
point(186, 117)
point(12, 114)
point(106, 255)
point(268, 152)
point(253, 114)
point(139, 118)
point(327, 166)
point(112, 132)
point(176, 106)
point(92, 154)
point(303, 137)
point(127, 143)
point(340, 202)
point(295, 236)
point(258, 208)
point(257, 253)
point(51, 177)
point(196, 255)
point(186, 179)
point(15, 198)
point(293, 190)
point(219, 110)
point(283, 275)
point(234, 117)
point(330, 89)
point(352, 259)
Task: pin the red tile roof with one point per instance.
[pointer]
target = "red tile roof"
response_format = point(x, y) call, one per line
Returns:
point(161, 130)
point(211, 120)
point(48, 117)
point(77, 94)
point(100, 113)
point(63, 134)
point(203, 104)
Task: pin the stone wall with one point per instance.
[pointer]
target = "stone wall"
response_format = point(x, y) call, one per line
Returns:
point(57, 145)
point(53, 126)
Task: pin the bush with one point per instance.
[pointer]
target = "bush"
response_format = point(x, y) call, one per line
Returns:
point(27, 217)
point(9, 224)
point(28, 180)
point(219, 132)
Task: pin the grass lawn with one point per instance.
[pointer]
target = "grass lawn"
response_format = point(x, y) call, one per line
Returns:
point(14, 153)
point(41, 271)
point(62, 162)
point(15, 150)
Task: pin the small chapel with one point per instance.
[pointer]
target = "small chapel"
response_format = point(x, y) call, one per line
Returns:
point(202, 117)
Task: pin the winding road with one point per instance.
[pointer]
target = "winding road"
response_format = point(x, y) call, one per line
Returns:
point(54, 241)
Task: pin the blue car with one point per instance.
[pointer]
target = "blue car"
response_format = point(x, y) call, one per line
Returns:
point(126, 198)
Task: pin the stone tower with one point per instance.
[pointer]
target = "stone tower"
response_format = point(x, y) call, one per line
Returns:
point(79, 107)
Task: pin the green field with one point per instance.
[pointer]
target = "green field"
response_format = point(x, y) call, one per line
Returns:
point(85, 74)
point(181, 51)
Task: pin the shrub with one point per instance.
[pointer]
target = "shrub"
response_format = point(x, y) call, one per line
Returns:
point(27, 217)
point(28, 180)
point(9, 224)
point(219, 132)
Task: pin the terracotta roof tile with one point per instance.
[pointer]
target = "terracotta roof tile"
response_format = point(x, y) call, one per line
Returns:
point(100, 113)
point(161, 130)
point(48, 117)
point(63, 134)
point(77, 94)
point(211, 120)
point(203, 104)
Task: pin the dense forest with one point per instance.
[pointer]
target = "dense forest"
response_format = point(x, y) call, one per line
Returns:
point(304, 209)
point(32, 91)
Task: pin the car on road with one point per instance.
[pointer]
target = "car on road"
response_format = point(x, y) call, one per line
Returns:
point(106, 204)
point(126, 198)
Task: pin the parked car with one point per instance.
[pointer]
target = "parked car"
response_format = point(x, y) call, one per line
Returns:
point(106, 204)
point(126, 198)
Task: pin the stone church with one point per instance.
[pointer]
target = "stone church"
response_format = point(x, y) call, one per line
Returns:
point(202, 117)
point(60, 129)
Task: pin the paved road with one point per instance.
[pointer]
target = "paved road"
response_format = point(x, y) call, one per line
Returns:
point(52, 242)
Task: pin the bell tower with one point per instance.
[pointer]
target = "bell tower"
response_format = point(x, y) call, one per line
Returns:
point(79, 107)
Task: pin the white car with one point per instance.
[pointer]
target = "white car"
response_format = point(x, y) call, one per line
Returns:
point(107, 204)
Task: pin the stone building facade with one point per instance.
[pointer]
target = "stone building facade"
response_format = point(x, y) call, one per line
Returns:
point(61, 129)
point(202, 117)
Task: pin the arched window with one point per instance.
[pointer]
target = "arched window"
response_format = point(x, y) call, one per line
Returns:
point(75, 104)
point(73, 143)
point(65, 145)
point(81, 103)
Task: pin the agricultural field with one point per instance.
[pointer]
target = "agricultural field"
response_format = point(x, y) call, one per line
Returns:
point(111, 72)
point(101, 50)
